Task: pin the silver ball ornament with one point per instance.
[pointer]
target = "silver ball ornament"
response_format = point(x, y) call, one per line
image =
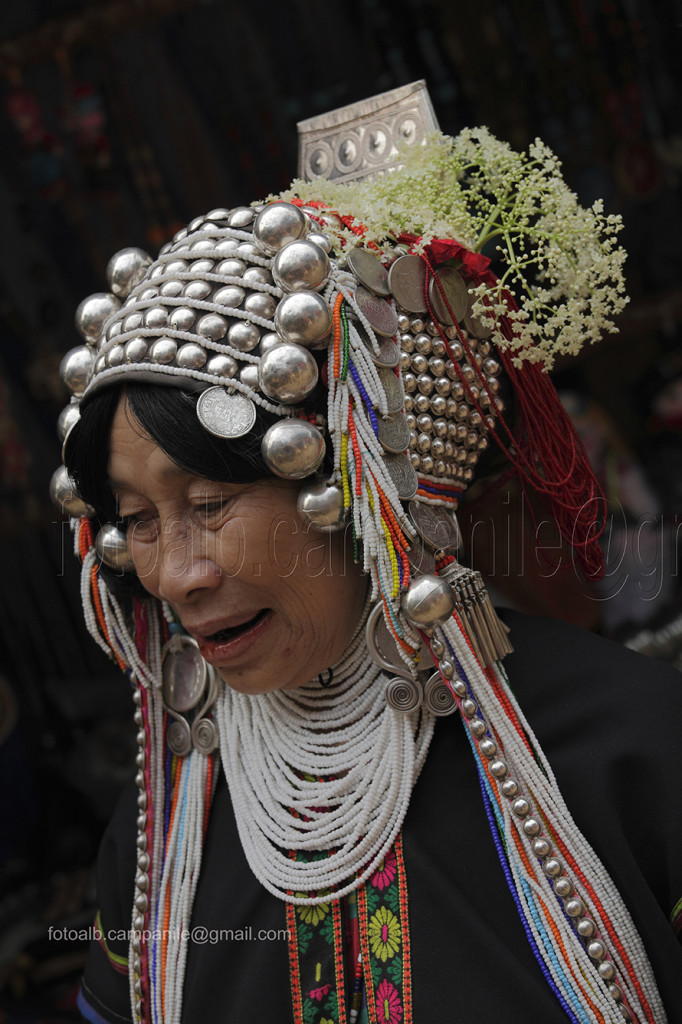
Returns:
point(112, 547)
point(321, 504)
point(75, 369)
point(93, 313)
point(428, 601)
point(126, 269)
point(64, 494)
point(277, 225)
point(303, 318)
point(288, 373)
point(68, 417)
point(300, 266)
point(293, 449)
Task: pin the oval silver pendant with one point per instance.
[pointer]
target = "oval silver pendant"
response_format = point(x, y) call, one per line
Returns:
point(184, 674)
point(225, 413)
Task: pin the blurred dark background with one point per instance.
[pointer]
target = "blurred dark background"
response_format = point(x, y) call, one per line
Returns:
point(123, 119)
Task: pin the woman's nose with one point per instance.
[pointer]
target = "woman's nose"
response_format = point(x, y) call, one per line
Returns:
point(182, 564)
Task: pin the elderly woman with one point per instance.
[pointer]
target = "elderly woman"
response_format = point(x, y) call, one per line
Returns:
point(272, 426)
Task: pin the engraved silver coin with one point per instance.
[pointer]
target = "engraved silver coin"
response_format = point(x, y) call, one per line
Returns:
point(476, 328)
point(394, 433)
point(406, 280)
point(455, 292)
point(380, 315)
point(403, 475)
point(436, 526)
point(184, 674)
point(420, 557)
point(369, 270)
point(388, 355)
point(393, 389)
point(225, 413)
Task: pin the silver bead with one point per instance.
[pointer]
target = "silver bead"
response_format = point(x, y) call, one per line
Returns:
point(181, 318)
point(293, 448)
point(425, 384)
point(212, 326)
point(143, 861)
point(423, 345)
point(141, 903)
point(586, 929)
point(532, 827)
point(75, 368)
point(469, 707)
point(488, 748)
point(304, 318)
point(563, 887)
point(300, 265)
point(321, 505)
point(510, 788)
point(499, 769)
point(319, 239)
point(142, 801)
point(138, 923)
point(243, 336)
point(552, 867)
point(111, 545)
point(440, 427)
point(163, 351)
point(459, 687)
point(68, 418)
point(625, 1013)
point(64, 494)
point(141, 822)
point(438, 405)
point(93, 313)
point(426, 463)
point(260, 304)
point(277, 225)
point(428, 601)
point(542, 847)
point(423, 443)
point(606, 969)
point(288, 373)
point(478, 727)
point(135, 350)
point(125, 270)
point(447, 668)
point(615, 992)
point(114, 329)
point(222, 366)
point(596, 949)
point(438, 648)
point(421, 403)
point(191, 356)
point(574, 907)
point(521, 807)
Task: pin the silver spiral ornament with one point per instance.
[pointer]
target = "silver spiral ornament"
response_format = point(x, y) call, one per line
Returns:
point(179, 737)
point(438, 697)
point(403, 694)
point(204, 736)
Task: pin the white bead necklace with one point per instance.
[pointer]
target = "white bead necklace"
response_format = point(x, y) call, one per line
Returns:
point(316, 769)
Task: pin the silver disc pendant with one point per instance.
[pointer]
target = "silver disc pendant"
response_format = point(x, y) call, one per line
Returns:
point(406, 280)
point(225, 413)
point(454, 291)
point(184, 674)
point(393, 433)
point(379, 314)
point(436, 526)
point(393, 389)
point(369, 271)
point(403, 475)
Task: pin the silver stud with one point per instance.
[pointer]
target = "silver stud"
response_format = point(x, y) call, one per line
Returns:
point(212, 326)
point(426, 464)
point(135, 350)
point(615, 992)
point(574, 907)
point(488, 748)
point(460, 687)
point(521, 807)
point(202, 267)
point(163, 351)
point(254, 276)
point(243, 336)
point(268, 341)
point(321, 504)
point(499, 769)
point(141, 903)
point(532, 827)
point(586, 928)
point(447, 668)
point(191, 356)
point(510, 788)
point(68, 418)
point(222, 366)
point(300, 265)
point(563, 887)
point(231, 267)
point(596, 949)
point(421, 403)
point(249, 375)
point(552, 867)
point(182, 318)
point(231, 295)
point(241, 216)
point(478, 727)
point(469, 707)
point(93, 312)
point(288, 373)
point(126, 269)
point(438, 649)
point(197, 290)
point(171, 289)
point(260, 304)
point(606, 969)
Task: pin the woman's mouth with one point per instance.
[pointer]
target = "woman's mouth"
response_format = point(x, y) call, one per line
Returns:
point(233, 641)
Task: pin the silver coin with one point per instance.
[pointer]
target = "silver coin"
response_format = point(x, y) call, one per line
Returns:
point(436, 526)
point(388, 355)
point(476, 328)
point(393, 389)
point(184, 674)
point(225, 413)
point(421, 558)
point(403, 475)
point(369, 270)
point(406, 280)
point(379, 314)
point(456, 294)
point(394, 433)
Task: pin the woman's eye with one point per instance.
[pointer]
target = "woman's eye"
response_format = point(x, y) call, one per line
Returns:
point(213, 511)
point(139, 525)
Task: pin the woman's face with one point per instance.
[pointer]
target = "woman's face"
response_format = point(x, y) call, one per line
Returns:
point(270, 604)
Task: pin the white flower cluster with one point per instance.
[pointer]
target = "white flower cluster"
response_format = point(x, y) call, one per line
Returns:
point(560, 261)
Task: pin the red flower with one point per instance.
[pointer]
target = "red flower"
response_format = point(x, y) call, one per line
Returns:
point(389, 1007)
point(385, 873)
point(319, 993)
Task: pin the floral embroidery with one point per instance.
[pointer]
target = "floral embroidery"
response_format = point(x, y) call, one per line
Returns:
point(320, 993)
point(385, 873)
point(389, 1006)
point(312, 914)
point(384, 934)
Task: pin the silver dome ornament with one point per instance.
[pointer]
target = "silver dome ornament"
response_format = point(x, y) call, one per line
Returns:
point(163, 351)
point(260, 304)
point(135, 350)
point(321, 504)
point(288, 373)
point(293, 449)
point(300, 266)
point(64, 494)
point(403, 694)
point(303, 318)
point(319, 239)
point(212, 326)
point(75, 368)
point(115, 356)
point(254, 276)
point(269, 341)
point(93, 313)
point(231, 296)
point(182, 318)
point(111, 545)
point(126, 269)
point(249, 375)
point(191, 356)
point(222, 366)
point(68, 418)
point(428, 601)
point(241, 217)
point(277, 225)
